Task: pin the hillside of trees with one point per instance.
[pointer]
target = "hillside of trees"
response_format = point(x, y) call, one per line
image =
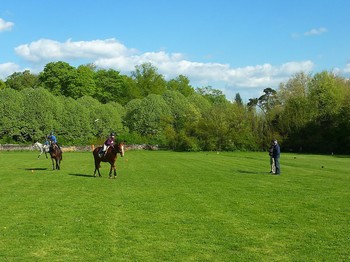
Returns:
point(308, 113)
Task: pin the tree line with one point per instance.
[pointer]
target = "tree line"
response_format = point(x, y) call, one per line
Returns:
point(308, 113)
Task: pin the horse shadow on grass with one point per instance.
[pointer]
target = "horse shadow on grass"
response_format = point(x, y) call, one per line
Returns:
point(36, 168)
point(81, 175)
point(246, 172)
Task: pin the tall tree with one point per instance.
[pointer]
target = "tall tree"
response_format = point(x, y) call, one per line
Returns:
point(111, 86)
point(75, 124)
point(325, 95)
point(295, 87)
point(41, 112)
point(265, 102)
point(182, 119)
point(96, 112)
point(147, 116)
point(81, 83)
point(268, 103)
point(214, 96)
point(201, 103)
point(11, 111)
point(238, 99)
point(2, 84)
point(181, 84)
point(57, 77)
point(215, 129)
point(21, 80)
point(148, 80)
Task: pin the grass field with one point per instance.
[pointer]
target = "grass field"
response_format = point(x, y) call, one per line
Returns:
point(167, 206)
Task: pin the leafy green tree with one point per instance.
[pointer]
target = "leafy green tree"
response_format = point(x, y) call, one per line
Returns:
point(21, 80)
point(131, 117)
point(214, 96)
point(11, 109)
point(202, 104)
point(181, 110)
point(216, 128)
point(183, 118)
point(238, 99)
point(148, 80)
point(113, 120)
point(110, 86)
point(295, 87)
point(269, 105)
point(2, 84)
point(74, 122)
point(57, 77)
point(343, 130)
point(96, 112)
point(181, 84)
point(148, 116)
point(81, 83)
point(133, 90)
point(325, 94)
point(40, 114)
point(265, 102)
point(296, 113)
point(242, 135)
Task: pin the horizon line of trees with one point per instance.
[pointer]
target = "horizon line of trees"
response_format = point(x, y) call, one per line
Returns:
point(308, 113)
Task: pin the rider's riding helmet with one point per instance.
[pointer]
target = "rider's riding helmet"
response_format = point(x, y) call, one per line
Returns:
point(112, 134)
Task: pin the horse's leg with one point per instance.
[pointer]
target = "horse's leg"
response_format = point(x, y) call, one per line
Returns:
point(97, 168)
point(115, 172)
point(53, 164)
point(41, 151)
point(110, 171)
point(57, 164)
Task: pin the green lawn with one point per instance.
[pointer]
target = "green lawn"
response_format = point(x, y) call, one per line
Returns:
point(167, 206)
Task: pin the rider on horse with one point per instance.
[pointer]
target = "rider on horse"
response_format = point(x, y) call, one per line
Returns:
point(109, 142)
point(53, 140)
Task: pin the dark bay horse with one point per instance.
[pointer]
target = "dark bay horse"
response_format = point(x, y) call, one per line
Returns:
point(110, 156)
point(56, 155)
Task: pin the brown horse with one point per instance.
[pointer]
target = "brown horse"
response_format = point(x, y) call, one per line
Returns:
point(56, 155)
point(110, 156)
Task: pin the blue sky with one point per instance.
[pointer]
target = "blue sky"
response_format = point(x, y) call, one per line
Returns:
point(237, 46)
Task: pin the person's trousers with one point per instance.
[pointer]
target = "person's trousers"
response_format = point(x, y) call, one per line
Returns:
point(277, 165)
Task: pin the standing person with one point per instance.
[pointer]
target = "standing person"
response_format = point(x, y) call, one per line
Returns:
point(109, 142)
point(272, 161)
point(276, 156)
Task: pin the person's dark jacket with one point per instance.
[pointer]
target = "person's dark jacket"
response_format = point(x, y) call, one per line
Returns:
point(276, 151)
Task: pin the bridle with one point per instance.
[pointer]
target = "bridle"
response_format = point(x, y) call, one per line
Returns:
point(119, 148)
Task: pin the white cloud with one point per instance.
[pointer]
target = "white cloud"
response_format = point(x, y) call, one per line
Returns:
point(342, 71)
point(46, 50)
point(347, 68)
point(110, 53)
point(8, 69)
point(4, 25)
point(316, 31)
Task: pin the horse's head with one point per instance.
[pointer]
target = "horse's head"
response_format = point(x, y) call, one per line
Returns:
point(120, 148)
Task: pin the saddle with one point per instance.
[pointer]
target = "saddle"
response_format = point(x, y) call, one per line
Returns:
point(54, 146)
point(102, 153)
